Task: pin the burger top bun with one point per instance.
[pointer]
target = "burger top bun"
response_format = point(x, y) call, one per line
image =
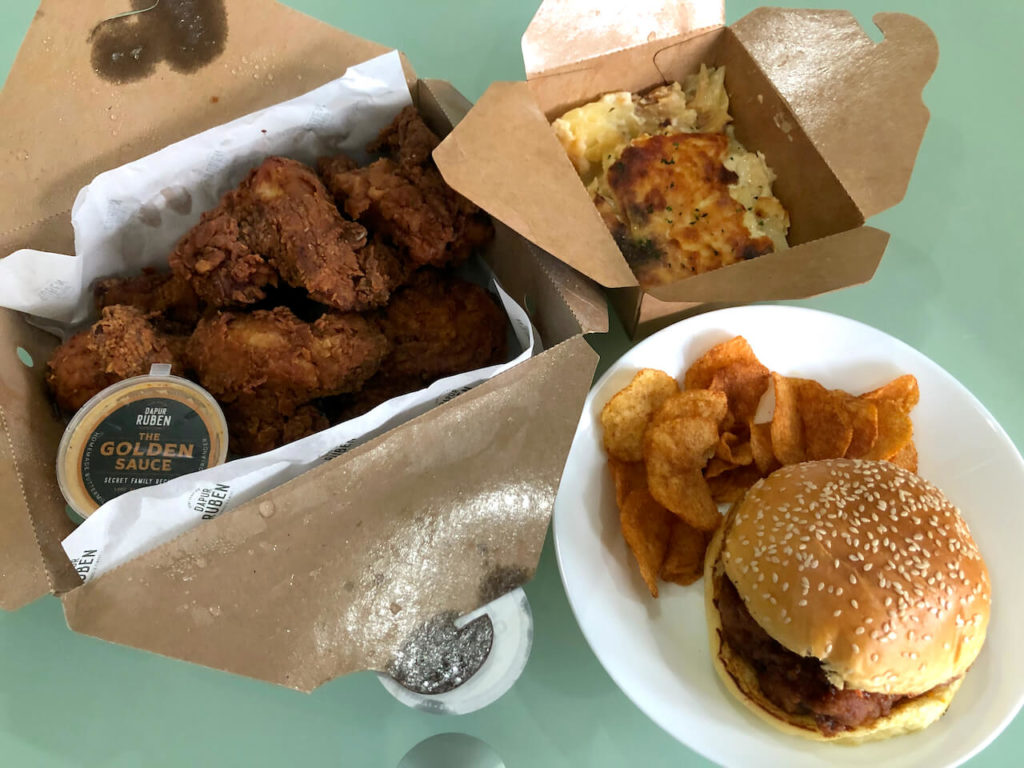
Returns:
point(865, 566)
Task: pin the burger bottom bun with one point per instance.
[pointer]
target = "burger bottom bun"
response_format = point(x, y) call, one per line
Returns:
point(740, 680)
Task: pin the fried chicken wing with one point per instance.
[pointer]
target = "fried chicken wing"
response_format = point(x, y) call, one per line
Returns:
point(168, 299)
point(277, 356)
point(341, 163)
point(438, 326)
point(403, 195)
point(281, 222)
point(407, 140)
point(257, 424)
point(293, 221)
point(217, 262)
point(413, 207)
point(121, 344)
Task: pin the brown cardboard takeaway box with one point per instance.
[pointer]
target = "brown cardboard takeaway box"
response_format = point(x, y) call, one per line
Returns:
point(330, 572)
point(838, 117)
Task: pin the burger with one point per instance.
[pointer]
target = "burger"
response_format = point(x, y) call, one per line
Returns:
point(846, 600)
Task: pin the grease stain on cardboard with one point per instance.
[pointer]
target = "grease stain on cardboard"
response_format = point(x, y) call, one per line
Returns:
point(185, 34)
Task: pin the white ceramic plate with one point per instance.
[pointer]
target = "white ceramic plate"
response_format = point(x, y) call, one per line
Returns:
point(657, 650)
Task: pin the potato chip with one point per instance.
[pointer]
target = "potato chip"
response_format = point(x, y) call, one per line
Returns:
point(716, 467)
point(685, 443)
point(894, 430)
point(701, 403)
point(733, 368)
point(684, 561)
point(730, 486)
point(902, 391)
point(674, 455)
point(686, 494)
point(761, 448)
point(625, 416)
point(827, 422)
point(864, 418)
point(647, 528)
point(787, 430)
point(628, 476)
point(734, 450)
point(906, 457)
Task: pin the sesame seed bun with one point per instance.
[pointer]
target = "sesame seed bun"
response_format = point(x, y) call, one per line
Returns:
point(866, 567)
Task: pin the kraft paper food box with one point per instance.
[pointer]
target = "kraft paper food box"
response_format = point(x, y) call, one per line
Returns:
point(257, 590)
point(838, 117)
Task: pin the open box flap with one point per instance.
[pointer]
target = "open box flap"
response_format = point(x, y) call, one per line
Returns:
point(821, 60)
point(32, 509)
point(251, 54)
point(564, 33)
point(332, 572)
point(518, 186)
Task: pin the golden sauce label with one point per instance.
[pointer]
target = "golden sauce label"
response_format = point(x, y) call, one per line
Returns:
point(143, 443)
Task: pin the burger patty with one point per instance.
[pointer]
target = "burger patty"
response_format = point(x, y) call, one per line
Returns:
point(796, 684)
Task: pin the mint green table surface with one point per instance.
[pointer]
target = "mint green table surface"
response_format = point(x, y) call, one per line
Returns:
point(951, 285)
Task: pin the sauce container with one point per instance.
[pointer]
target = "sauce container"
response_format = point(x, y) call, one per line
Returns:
point(137, 433)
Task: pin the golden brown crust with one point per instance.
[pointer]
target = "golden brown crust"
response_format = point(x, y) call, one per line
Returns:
point(215, 261)
point(120, 345)
point(164, 296)
point(440, 326)
point(676, 216)
point(277, 356)
point(407, 140)
point(291, 219)
point(412, 206)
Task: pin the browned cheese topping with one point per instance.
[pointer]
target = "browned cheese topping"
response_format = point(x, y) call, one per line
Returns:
point(676, 217)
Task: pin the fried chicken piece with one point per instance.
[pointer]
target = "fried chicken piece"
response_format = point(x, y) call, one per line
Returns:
point(407, 140)
point(328, 166)
point(257, 424)
point(292, 220)
point(217, 262)
point(274, 354)
point(121, 344)
point(413, 207)
point(439, 326)
point(404, 196)
point(280, 221)
point(154, 293)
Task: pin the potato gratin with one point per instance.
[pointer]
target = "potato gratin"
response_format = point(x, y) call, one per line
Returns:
point(679, 193)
